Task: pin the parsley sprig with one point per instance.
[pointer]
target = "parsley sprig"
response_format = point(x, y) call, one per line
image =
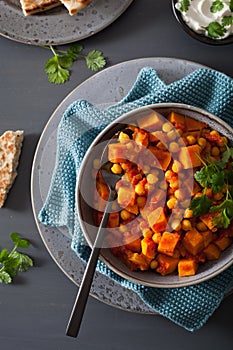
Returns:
point(14, 261)
point(215, 175)
point(57, 67)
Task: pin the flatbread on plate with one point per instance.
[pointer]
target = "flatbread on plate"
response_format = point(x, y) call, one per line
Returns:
point(10, 149)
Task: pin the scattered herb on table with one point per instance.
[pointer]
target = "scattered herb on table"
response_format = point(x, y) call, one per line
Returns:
point(57, 67)
point(14, 261)
point(216, 175)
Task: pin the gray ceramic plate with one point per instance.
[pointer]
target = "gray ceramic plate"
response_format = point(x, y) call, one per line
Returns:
point(116, 81)
point(56, 26)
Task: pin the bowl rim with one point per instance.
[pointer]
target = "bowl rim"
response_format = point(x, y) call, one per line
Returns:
point(182, 281)
point(200, 37)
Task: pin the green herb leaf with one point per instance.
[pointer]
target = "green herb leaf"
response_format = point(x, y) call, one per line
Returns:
point(231, 5)
point(5, 277)
point(222, 220)
point(216, 6)
point(15, 261)
point(218, 181)
point(95, 60)
point(215, 30)
point(227, 21)
point(200, 205)
point(184, 5)
point(57, 66)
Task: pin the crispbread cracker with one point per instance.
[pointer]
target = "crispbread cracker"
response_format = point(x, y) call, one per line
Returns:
point(31, 7)
point(74, 6)
point(10, 149)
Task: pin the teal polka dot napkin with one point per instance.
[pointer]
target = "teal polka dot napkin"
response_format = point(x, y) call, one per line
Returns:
point(189, 307)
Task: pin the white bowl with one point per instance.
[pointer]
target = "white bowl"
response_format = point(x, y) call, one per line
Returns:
point(86, 186)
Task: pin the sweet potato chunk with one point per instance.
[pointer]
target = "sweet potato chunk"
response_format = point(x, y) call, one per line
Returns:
point(177, 120)
point(150, 122)
point(168, 243)
point(193, 124)
point(208, 237)
point(193, 241)
point(117, 152)
point(141, 262)
point(208, 220)
point(167, 264)
point(223, 242)
point(148, 247)
point(188, 156)
point(212, 252)
point(161, 159)
point(134, 245)
point(157, 220)
point(126, 196)
point(187, 267)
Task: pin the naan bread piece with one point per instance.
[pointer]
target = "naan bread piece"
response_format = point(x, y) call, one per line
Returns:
point(73, 6)
point(30, 7)
point(10, 149)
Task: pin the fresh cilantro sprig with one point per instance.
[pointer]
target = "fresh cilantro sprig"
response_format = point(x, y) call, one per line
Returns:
point(57, 67)
point(216, 6)
point(215, 30)
point(184, 5)
point(14, 261)
point(215, 175)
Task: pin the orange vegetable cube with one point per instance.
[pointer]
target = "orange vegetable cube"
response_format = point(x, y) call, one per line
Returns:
point(187, 267)
point(208, 220)
point(223, 242)
point(126, 196)
point(148, 247)
point(151, 121)
point(168, 243)
point(193, 124)
point(208, 237)
point(189, 156)
point(167, 264)
point(193, 241)
point(140, 261)
point(212, 252)
point(134, 245)
point(160, 159)
point(177, 120)
point(117, 152)
point(157, 220)
point(141, 137)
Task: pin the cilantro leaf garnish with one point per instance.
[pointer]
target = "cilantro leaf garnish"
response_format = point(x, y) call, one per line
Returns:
point(227, 20)
point(216, 6)
point(231, 5)
point(215, 30)
point(57, 66)
point(14, 261)
point(200, 205)
point(184, 5)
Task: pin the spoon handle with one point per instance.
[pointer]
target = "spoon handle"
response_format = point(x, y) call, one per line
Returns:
point(84, 289)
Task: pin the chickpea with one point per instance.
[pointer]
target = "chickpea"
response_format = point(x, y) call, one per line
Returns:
point(215, 151)
point(180, 194)
point(125, 215)
point(174, 147)
point(201, 226)
point(141, 201)
point(176, 225)
point(188, 214)
point(139, 189)
point(202, 142)
point(172, 135)
point(176, 166)
point(214, 133)
point(167, 127)
point(156, 237)
point(116, 169)
point(186, 225)
point(154, 264)
point(171, 203)
point(152, 179)
point(191, 139)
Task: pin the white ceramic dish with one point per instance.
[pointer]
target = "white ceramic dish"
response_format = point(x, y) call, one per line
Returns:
point(85, 191)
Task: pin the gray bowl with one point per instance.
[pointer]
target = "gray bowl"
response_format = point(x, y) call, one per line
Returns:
point(86, 186)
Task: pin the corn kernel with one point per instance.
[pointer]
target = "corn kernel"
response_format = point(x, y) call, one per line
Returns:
point(186, 225)
point(152, 179)
point(215, 151)
point(154, 264)
point(174, 147)
point(123, 138)
point(125, 215)
point(167, 127)
point(191, 139)
point(116, 169)
point(202, 142)
point(139, 189)
point(171, 203)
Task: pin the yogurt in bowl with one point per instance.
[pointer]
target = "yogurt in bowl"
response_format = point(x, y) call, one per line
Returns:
point(212, 18)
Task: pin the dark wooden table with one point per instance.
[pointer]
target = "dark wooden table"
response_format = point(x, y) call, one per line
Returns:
point(35, 309)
